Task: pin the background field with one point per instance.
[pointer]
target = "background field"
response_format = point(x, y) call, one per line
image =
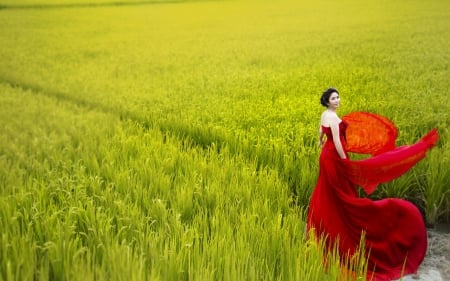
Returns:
point(179, 140)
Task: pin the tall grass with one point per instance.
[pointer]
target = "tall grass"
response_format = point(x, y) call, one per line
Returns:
point(138, 205)
point(45, 4)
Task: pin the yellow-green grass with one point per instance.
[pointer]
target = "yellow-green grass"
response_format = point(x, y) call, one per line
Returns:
point(41, 4)
point(86, 196)
point(179, 141)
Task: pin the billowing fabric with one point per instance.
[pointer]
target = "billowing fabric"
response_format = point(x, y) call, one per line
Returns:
point(369, 133)
point(395, 233)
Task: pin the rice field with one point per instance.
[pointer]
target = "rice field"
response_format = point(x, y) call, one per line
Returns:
point(172, 140)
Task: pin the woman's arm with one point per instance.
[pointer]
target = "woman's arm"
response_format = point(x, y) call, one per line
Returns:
point(336, 139)
point(321, 134)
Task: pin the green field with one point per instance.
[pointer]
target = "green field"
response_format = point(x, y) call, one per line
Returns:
point(153, 140)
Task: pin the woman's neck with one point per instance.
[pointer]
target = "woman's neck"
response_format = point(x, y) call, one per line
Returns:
point(333, 110)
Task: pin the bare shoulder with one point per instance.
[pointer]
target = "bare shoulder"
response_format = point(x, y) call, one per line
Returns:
point(329, 119)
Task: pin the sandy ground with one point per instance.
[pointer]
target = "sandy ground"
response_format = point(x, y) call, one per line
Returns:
point(436, 266)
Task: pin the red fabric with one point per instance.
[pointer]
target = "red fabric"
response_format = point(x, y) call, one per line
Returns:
point(394, 228)
point(368, 133)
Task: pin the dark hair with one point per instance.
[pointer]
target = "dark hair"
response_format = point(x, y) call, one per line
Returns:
point(325, 98)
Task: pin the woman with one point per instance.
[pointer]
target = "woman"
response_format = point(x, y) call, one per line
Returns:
point(394, 231)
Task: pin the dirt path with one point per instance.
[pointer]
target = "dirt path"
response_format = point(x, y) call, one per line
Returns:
point(436, 266)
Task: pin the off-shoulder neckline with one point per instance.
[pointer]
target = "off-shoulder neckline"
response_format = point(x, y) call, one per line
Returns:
point(340, 122)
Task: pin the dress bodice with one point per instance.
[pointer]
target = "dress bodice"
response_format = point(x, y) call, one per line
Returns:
point(342, 128)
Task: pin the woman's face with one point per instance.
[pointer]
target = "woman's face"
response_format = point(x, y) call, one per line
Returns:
point(334, 101)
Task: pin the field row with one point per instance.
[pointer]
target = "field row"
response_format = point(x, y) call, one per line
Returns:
point(80, 188)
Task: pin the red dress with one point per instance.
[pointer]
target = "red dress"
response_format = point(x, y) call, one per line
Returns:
point(394, 228)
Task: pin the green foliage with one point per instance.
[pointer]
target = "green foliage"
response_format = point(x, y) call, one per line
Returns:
point(179, 142)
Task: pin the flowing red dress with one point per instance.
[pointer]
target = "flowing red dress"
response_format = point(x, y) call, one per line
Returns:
point(395, 233)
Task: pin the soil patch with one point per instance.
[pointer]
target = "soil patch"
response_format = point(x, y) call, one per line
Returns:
point(436, 265)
